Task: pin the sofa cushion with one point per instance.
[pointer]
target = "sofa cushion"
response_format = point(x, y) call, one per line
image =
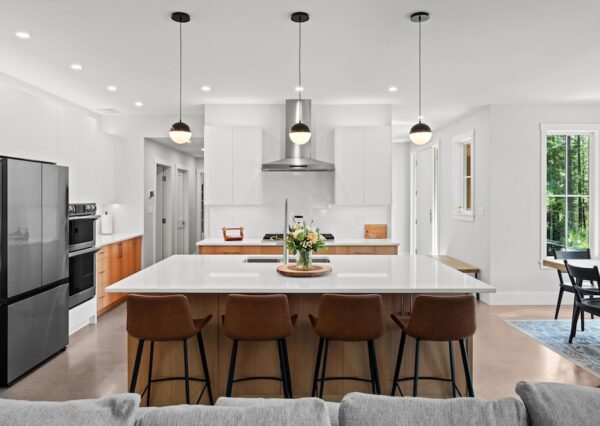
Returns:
point(332, 407)
point(361, 409)
point(116, 410)
point(308, 412)
point(551, 404)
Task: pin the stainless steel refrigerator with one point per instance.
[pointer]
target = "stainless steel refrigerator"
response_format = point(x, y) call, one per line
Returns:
point(34, 265)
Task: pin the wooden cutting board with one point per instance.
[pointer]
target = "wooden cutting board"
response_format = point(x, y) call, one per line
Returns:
point(290, 270)
point(374, 231)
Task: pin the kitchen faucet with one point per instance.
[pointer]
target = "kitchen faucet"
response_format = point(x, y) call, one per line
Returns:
point(285, 231)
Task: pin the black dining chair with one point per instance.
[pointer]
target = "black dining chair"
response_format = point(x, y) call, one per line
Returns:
point(577, 276)
point(562, 255)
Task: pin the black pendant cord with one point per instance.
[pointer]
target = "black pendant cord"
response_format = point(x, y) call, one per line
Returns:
point(300, 70)
point(420, 70)
point(180, 69)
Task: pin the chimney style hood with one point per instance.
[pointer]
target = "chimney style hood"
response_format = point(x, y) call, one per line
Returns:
point(297, 157)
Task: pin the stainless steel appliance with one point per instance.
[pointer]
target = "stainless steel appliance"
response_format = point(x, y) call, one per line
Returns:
point(82, 253)
point(34, 266)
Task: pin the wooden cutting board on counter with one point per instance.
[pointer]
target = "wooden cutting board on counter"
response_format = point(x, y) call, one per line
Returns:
point(374, 231)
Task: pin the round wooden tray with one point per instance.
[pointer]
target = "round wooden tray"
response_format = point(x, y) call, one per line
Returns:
point(290, 270)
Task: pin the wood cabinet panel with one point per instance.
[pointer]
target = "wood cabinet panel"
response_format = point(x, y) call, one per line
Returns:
point(275, 250)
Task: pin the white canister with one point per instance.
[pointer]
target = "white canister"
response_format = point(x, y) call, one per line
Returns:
point(106, 224)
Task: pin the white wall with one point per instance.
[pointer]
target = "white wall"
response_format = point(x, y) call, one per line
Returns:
point(153, 153)
point(309, 194)
point(400, 210)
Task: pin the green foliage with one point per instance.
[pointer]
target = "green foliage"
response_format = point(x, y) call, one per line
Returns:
point(304, 238)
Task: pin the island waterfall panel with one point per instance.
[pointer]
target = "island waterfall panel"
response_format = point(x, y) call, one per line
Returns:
point(254, 359)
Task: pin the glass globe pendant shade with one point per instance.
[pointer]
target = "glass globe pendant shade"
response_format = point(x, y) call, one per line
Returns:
point(300, 133)
point(180, 133)
point(420, 134)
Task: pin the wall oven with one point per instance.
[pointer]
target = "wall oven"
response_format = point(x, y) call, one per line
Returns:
point(82, 253)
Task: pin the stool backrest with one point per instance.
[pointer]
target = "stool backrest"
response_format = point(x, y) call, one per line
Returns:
point(257, 317)
point(442, 318)
point(578, 275)
point(159, 318)
point(355, 317)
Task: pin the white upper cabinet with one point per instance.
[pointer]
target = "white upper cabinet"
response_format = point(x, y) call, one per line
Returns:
point(232, 165)
point(108, 164)
point(363, 165)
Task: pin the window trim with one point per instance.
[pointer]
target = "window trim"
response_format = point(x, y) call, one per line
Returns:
point(458, 143)
point(593, 129)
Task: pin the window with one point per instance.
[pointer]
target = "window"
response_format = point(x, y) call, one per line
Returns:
point(463, 161)
point(569, 185)
point(567, 191)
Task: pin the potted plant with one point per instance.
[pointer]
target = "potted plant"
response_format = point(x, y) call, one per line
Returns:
point(302, 240)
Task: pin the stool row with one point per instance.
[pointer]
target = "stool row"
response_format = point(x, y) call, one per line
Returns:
point(261, 318)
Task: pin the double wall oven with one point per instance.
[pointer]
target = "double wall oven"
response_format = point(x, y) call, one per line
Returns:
point(82, 252)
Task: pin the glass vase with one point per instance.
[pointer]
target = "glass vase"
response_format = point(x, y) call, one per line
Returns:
point(304, 261)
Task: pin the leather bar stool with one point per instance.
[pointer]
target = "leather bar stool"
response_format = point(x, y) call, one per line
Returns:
point(259, 318)
point(348, 318)
point(439, 319)
point(166, 319)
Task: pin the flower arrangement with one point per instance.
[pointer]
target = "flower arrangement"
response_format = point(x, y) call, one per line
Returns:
point(302, 240)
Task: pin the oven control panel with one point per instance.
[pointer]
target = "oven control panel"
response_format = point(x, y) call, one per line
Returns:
point(82, 209)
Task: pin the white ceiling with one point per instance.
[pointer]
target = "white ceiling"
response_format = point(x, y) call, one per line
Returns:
point(194, 148)
point(476, 52)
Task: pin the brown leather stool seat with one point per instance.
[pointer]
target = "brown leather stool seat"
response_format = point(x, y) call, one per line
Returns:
point(165, 319)
point(348, 318)
point(259, 318)
point(439, 319)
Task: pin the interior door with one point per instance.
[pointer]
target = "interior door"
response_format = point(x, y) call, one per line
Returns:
point(424, 201)
point(160, 214)
point(180, 212)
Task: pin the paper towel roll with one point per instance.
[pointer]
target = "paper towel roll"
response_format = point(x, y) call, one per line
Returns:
point(106, 224)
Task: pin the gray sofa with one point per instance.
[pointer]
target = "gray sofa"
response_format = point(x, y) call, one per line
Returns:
point(545, 404)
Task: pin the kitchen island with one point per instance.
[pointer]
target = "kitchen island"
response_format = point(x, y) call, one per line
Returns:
point(207, 280)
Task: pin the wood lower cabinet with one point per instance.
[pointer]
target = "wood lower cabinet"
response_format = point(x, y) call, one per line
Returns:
point(337, 249)
point(113, 263)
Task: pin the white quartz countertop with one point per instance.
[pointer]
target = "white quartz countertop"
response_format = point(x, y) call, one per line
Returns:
point(104, 240)
point(261, 242)
point(404, 273)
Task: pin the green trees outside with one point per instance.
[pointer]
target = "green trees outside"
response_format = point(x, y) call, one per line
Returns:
point(567, 186)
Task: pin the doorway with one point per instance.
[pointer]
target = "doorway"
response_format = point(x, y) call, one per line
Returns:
point(162, 234)
point(181, 213)
point(424, 200)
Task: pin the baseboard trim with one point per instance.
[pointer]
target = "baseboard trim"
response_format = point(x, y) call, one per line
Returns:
point(526, 298)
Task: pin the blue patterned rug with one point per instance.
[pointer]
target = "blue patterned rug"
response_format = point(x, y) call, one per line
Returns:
point(554, 334)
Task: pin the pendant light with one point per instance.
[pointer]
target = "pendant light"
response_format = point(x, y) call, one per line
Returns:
point(420, 133)
point(180, 132)
point(299, 132)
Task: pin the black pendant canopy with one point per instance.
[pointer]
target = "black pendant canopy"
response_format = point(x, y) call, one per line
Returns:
point(420, 133)
point(180, 132)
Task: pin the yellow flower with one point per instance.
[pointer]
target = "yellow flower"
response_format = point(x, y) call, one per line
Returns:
point(313, 237)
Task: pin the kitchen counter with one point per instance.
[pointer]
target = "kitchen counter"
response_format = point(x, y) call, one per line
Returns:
point(404, 273)
point(104, 240)
point(261, 242)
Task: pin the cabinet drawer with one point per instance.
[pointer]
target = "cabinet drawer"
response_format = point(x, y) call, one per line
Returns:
point(229, 250)
point(361, 250)
point(102, 254)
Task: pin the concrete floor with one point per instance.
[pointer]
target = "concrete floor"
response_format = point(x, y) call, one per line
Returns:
point(95, 363)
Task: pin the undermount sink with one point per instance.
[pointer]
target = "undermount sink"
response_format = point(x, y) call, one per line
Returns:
point(280, 260)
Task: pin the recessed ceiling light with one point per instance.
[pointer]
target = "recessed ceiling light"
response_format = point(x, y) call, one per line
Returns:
point(138, 104)
point(205, 88)
point(202, 149)
point(23, 35)
point(392, 89)
point(299, 89)
point(111, 88)
point(76, 67)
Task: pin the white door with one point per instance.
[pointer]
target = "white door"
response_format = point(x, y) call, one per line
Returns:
point(162, 225)
point(181, 212)
point(424, 190)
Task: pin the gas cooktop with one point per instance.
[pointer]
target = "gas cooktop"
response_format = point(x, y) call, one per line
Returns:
point(279, 237)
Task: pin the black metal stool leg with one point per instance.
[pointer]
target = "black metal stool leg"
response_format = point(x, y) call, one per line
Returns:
point(282, 368)
point(373, 357)
point(231, 368)
point(136, 366)
point(416, 376)
point(398, 362)
point(317, 367)
point(150, 372)
point(186, 372)
point(325, 350)
point(287, 367)
point(205, 367)
point(463, 351)
point(452, 372)
point(371, 371)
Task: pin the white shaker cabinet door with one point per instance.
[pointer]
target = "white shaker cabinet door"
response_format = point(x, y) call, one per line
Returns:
point(218, 165)
point(378, 165)
point(247, 162)
point(349, 166)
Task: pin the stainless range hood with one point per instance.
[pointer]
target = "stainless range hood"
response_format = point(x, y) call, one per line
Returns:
point(297, 157)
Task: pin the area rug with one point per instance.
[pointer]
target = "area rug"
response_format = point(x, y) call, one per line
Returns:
point(554, 334)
